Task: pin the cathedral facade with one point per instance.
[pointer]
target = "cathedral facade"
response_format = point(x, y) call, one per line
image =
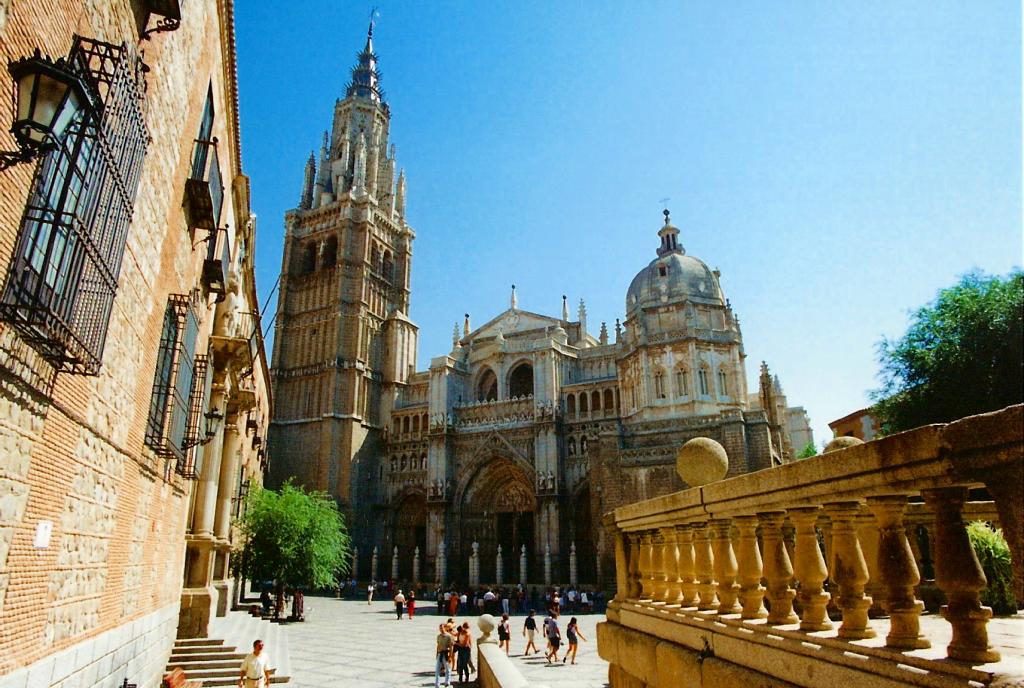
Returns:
point(529, 429)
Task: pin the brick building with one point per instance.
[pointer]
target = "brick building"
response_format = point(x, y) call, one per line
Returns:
point(133, 383)
point(529, 429)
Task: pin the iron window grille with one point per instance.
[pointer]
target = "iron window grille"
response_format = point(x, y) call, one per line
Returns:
point(198, 425)
point(173, 386)
point(60, 288)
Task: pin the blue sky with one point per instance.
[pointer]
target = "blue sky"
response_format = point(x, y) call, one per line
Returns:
point(838, 162)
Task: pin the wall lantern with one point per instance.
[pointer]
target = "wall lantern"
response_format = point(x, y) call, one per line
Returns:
point(214, 419)
point(48, 97)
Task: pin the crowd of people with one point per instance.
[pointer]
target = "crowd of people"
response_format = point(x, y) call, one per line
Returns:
point(496, 600)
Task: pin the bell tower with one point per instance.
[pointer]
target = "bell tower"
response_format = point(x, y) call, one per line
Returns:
point(343, 343)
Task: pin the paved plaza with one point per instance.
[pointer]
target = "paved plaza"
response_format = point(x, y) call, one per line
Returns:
point(351, 643)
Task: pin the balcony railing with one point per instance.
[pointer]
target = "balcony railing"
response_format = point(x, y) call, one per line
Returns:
point(204, 189)
point(779, 573)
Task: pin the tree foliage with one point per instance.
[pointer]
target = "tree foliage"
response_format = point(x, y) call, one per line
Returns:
point(994, 556)
point(808, 451)
point(961, 355)
point(293, 536)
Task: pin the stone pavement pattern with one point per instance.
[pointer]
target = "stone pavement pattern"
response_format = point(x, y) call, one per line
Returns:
point(350, 643)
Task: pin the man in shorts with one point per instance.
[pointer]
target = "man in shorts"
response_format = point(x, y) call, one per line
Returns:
point(529, 631)
point(554, 637)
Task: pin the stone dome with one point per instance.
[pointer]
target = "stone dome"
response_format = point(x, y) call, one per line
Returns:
point(671, 278)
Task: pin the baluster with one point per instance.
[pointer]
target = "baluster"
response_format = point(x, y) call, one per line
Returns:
point(646, 571)
point(674, 592)
point(750, 568)
point(867, 535)
point(621, 560)
point(687, 565)
point(633, 589)
point(725, 567)
point(898, 572)
point(778, 571)
point(958, 574)
point(809, 568)
point(849, 570)
point(704, 562)
point(658, 565)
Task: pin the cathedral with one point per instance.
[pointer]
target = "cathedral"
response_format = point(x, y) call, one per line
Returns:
point(530, 428)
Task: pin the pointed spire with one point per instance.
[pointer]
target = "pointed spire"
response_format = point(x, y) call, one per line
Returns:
point(565, 308)
point(455, 334)
point(400, 194)
point(465, 326)
point(306, 200)
point(514, 301)
point(618, 331)
point(603, 337)
point(365, 77)
point(323, 175)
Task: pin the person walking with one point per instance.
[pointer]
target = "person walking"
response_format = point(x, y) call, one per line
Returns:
point(399, 604)
point(529, 631)
point(369, 592)
point(571, 633)
point(255, 669)
point(503, 633)
point(410, 604)
point(554, 637)
point(442, 652)
point(463, 649)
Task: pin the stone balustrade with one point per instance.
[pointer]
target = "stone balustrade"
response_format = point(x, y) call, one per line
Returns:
point(805, 574)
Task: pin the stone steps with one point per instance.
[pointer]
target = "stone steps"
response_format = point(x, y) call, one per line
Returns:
point(215, 660)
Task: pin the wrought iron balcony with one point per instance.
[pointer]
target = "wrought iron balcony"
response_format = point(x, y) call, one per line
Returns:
point(215, 267)
point(204, 189)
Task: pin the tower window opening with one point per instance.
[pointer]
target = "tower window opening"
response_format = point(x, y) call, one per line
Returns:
point(702, 379)
point(662, 270)
point(520, 382)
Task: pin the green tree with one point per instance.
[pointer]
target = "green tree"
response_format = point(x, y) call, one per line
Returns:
point(293, 536)
point(961, 355)
point(808, 451)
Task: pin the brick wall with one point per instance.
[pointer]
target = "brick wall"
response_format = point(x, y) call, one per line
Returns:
point(100, 603)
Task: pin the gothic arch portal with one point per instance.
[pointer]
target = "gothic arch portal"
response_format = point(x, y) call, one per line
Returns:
point(495, 502)
point(409, 521)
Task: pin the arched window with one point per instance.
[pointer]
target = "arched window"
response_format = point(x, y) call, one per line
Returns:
point(386, 266)
point(609, 400)
point(520, 382)
point(405, 425)
point(487, 387)
point(723, 380)
point(682, 382)
point(584, 403)
point(330, 255)
point(374, 259)
point(595, 400)
point(702, 379)
point(570, 404)
point(304, 259)
point(571, 446)
point(659, 384)
point(416, 423)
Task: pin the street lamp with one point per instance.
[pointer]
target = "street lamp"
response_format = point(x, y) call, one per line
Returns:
point(48, 97)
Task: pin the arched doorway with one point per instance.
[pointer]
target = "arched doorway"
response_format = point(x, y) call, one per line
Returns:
point(582, 533)
point(497, 508)
point(410, 532)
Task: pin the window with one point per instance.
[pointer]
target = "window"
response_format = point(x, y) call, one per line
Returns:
point(204, 189)
point(659, 385)
point(682, 382)
point(570, 404)
point(170, 407)
point(487, 387)
point(60, 288)
point(197, 429)
point(723, 388)
point(520, 382)
point(662, 271)
point(702, 378)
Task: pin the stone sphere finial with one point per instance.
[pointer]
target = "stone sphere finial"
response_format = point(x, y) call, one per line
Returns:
point(486, 623)
point(838, 443)
point(701, 461)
